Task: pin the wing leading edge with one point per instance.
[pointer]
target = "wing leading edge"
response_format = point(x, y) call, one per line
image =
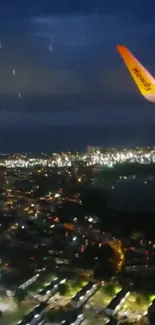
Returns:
point(143, 79)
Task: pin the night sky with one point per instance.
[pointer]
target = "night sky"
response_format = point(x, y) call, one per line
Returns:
point(68, 71)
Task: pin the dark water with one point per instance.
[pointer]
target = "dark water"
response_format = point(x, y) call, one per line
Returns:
point(133, 196)
point(75, 138)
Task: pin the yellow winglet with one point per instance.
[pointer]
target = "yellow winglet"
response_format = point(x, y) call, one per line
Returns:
point(143, 79)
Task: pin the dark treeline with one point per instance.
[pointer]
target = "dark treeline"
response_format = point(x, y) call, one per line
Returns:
point(127, 169)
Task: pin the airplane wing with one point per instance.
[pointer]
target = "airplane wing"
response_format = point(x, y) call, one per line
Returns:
point(143, 79)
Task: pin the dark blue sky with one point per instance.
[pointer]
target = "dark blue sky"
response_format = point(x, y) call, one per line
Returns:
point(67, 68)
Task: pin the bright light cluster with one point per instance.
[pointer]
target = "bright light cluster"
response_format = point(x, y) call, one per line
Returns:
point(108, 158)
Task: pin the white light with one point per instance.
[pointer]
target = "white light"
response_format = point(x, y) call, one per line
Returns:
point(80, 316)
point(35, 316)
point(74, 238)
point(57, 195)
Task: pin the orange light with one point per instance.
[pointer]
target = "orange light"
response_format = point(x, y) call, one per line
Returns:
point(69, 226)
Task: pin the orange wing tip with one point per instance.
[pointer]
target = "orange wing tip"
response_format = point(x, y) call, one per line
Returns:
point(121, 48)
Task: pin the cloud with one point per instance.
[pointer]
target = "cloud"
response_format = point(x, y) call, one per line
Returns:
point(83, 77)
point(41, 82)
point(87, 43)
point(68, 7)
point(61, 7)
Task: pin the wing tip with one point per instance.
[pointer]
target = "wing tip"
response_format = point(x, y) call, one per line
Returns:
point(121, 47)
